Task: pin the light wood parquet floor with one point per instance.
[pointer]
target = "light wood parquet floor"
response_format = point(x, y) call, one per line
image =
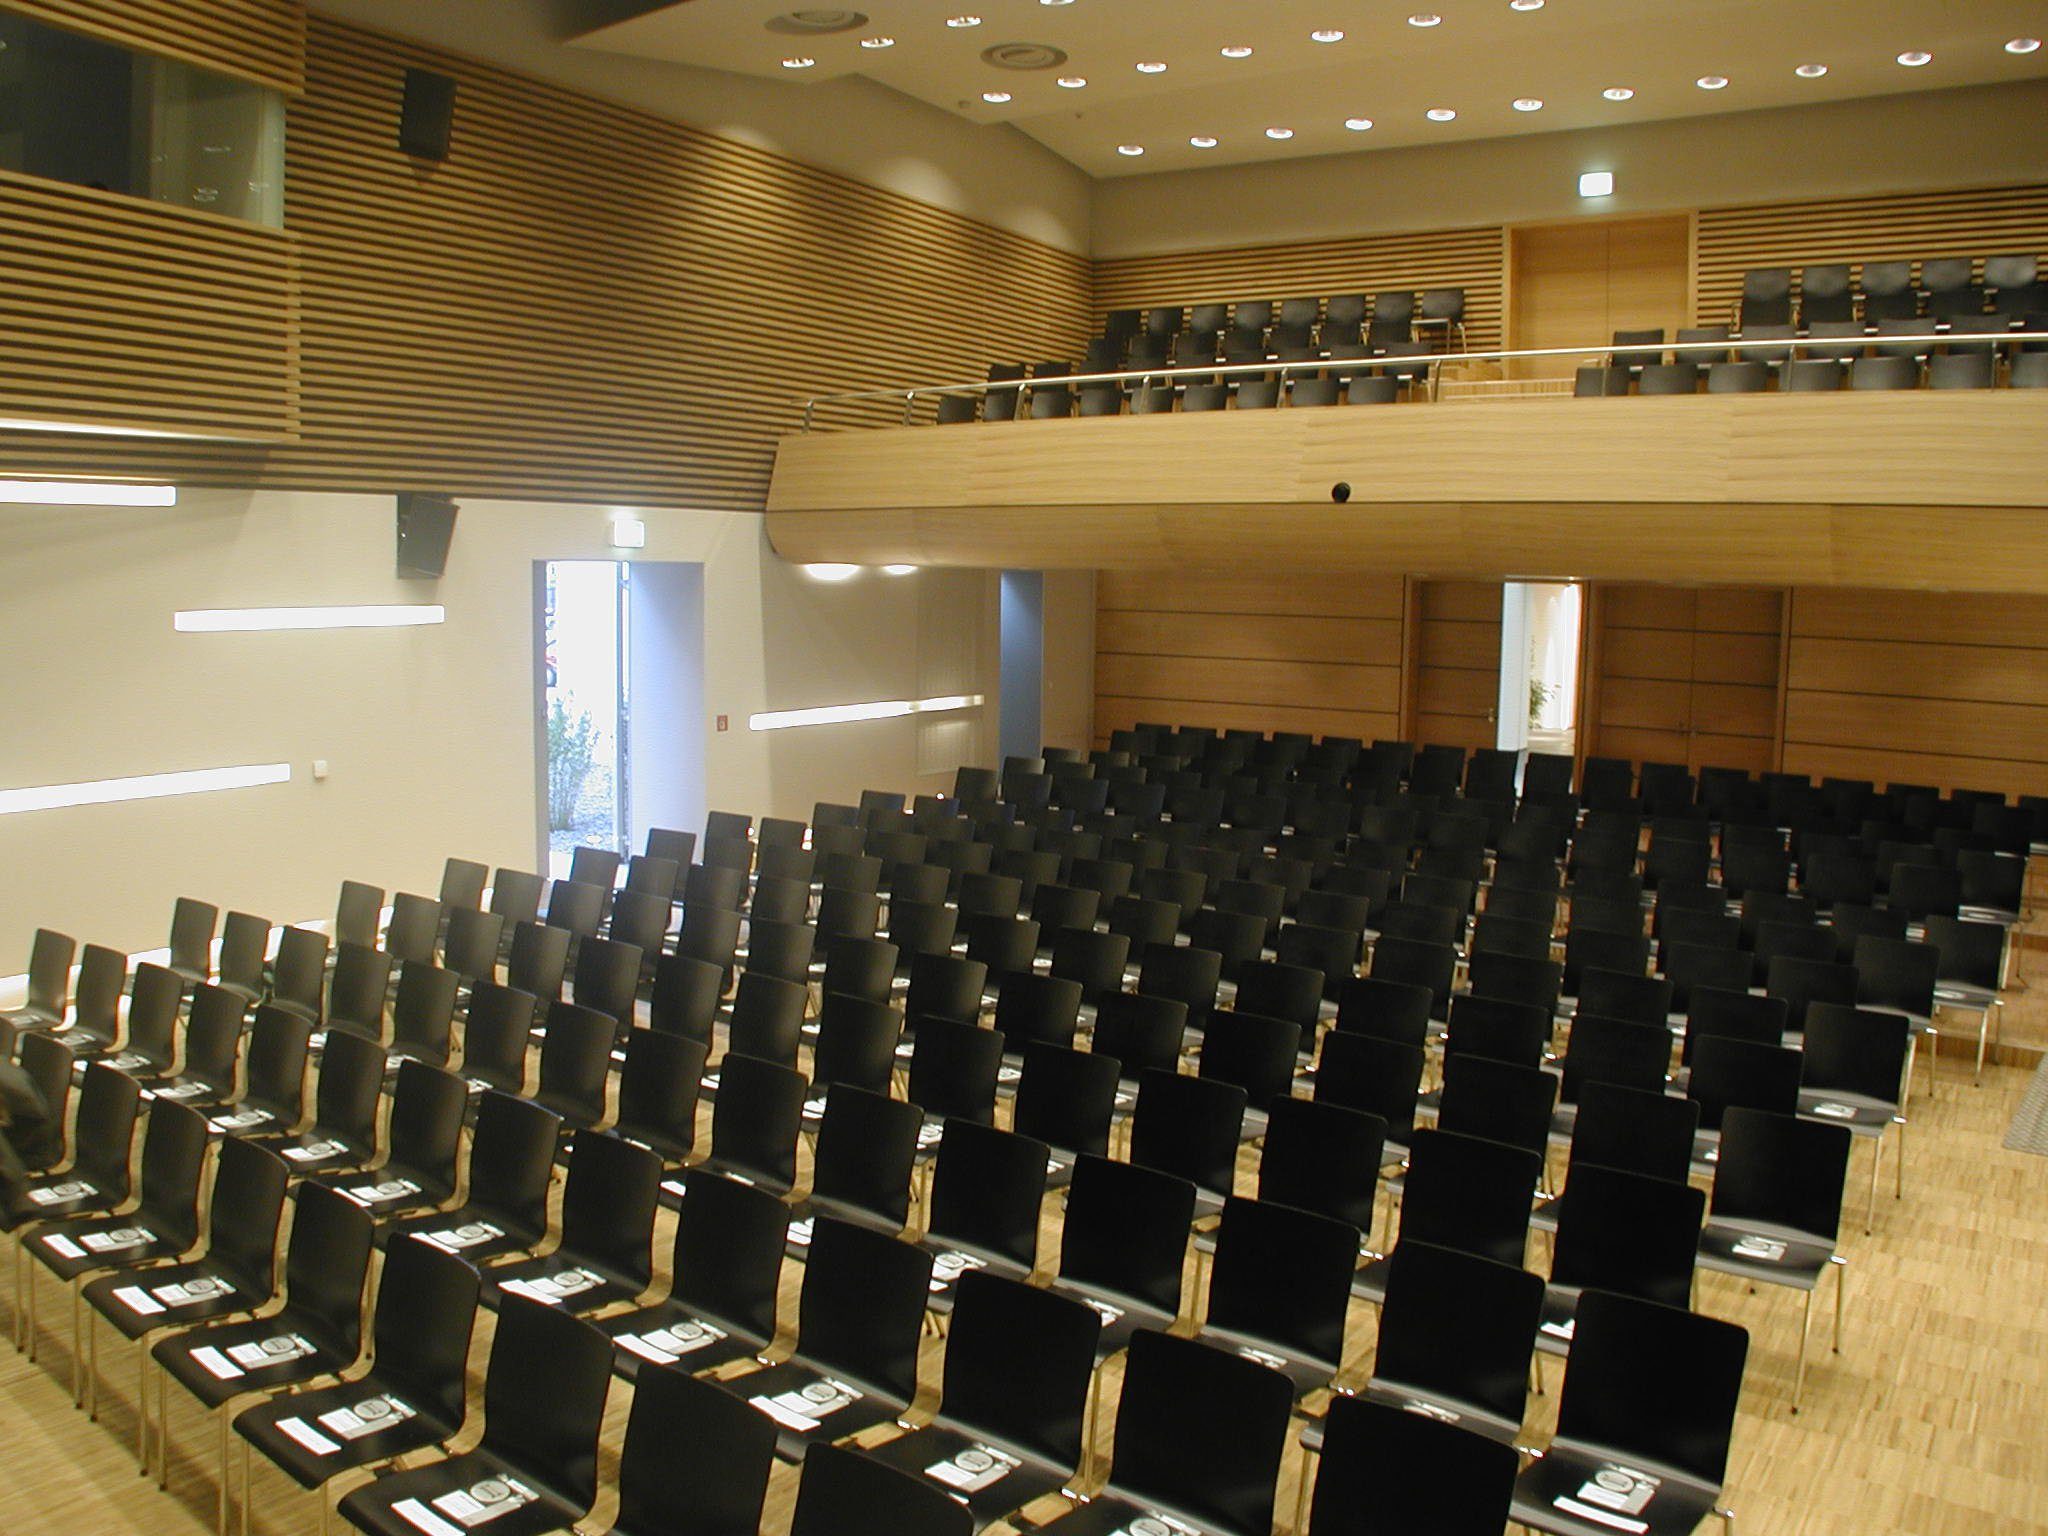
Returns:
point(1932, 1422)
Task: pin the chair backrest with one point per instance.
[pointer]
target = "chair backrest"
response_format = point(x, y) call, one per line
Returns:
point(1037, 1010)
point(757, 1117)
point(1501, 1027)
point(96, 995)
point(608, 1204)
point(192, 925)
point(1458, 1326)
point(1253, 1053)
point(1503, 1101)
point(471, 946)
point(350, 1088)
point(173, 1158)
point(1200, 1434)
point(1470, 1194)
point(357, 912)
point(357, 990)
point(426, 1121)
point(1018, 1361)
point(1065, 1097)
point(153, 1005)
point(608, 979)
point(945, 986)
point(515, 895)
point(1378, 1076)
point(496, 1034)
point(575, 1062)
point(860, 967)
point(279, 1044)
point(866, 1145)
point(1189, 1127)
point(1395, 1011)
point(1620, 995)
point(1896, 973)
point(1283, 1275)
point(247, 1206)
point(1322, 1157)
point(728, 1252)
point(423, 1011)
point(1617, 1397)
point(103, 1134)
point(988, 1189)
point(512, 1159)
point(658, 1089)
point(415, 927)
point(49, 969)
point(1126, 1231)
point(1618, 1051)
point(767, 1017)
point(327, 1261)
point(462, 883)
point(696, 1458)
point(538, 961)
point(1419, 963)
point(1385, 1471)
point(857, 1040)
point(1187, 974)
point(298, 974)
point(543, 1397)
point(1650, 1133)
point(1627, 1232)
point(1781, 1170)
point(843, 1493)
point(953, 1070)
point(640, 918)
point(1730, 1073)
point(1735, 1016)
point(862, 1308)
point(420, 1333)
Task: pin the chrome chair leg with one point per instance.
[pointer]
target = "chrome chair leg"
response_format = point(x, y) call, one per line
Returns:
point(1870, 1206)
point(1805, 1328)
point(1841, 1295)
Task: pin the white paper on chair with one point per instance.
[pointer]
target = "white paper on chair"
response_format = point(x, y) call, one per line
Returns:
point(59, 1244)
point(192, 1292)
point(138, 1301)
point(1155, 1525)
point(1572, 1506)
point(314, 1151)
point(484, 1501)
point(802, 1409)
point(109, 1242)
point(272, 1351)
point(179, 1091)
point(242, 1120)
point(800, 1232)
point(1767, 1250)
point(976, 1468)
point(1621, 1489)
point(554, 1289)
point(216, 1364)
point(1263, 1357)
point(368, 1417)
point(379, 1194)
point(1561, 1330)
point(1835, 1111)
point(417, 1515)
point(455, 1239)
point(1104, 1310)
point(307, 1436)
point(948, 1267)
point(663, 1345)
point(74, 1189)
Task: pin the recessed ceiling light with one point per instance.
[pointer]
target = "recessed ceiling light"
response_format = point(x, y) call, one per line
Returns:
point(963, 21)
point(1236, 51)
point(1130, 149)
point(908, 570)
point(1203, 141)
point(1441, 114)
point(1425, 19)
point(878, 42)
point(1326, 35)
point(1073, 82)
point(830, 570)
point(1712, 82)
point(995, 98)
point(1810, 71)
point(1619, 93)
point(2023, 45)
point(1528, 104)
point(1358, 124)
point(1151, 67)
point(1055, 2)
point(1596, 184)
point(1525, 5)
point(1913, 58)
point(799, 62)
point(1279, 133)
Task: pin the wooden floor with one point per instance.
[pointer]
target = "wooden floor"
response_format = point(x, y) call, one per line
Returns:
point(1932, 1422)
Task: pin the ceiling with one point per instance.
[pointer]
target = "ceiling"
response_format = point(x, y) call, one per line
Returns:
point(1478, 60)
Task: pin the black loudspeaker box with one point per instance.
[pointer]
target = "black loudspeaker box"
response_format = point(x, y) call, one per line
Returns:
point(428, 116)
point(426, 525)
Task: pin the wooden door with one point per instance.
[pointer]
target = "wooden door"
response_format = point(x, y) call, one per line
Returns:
point(1455, 664)
point(1575, 285)
point(1684, 675)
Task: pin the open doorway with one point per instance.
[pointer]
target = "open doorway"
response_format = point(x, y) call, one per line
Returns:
point(1541, 623)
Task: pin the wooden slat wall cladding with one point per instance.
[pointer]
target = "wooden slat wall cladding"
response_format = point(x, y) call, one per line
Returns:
point(1270, 651)
point(587, 303)
point(1921, 688)
point(123, 314)
point(1472, 259)
point(1684, 675)
point(260, 40)
point(1457, 662)
point(1978, 222)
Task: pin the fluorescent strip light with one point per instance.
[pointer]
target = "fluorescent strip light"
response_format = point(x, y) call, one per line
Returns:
point(839, 714)
point(86, 493)
point(147, 786)
point(360, 616)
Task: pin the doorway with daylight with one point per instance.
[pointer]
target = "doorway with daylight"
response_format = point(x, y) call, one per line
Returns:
point(1541, 624)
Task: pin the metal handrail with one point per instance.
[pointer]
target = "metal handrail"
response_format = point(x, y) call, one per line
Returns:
point(1428, 362)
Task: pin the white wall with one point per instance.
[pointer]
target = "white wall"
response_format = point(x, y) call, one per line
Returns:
point(429, 732)
point(1937, 139)
point(1068, 704)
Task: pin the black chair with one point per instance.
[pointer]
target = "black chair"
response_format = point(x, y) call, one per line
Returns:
point(1279, 1288)
point(273, 1096)
point(575, 1064)
point(423, 1012)
point(1066, 1098)
point(421, 1143)
point(495, 1037)
point(845, 1493)
point(1389, 1469)
point(413, 1396)
point(1504, 1028)
point(986, 1196)
point(755, 1122)
point(1185, 974)
point(857, 1040)
point(1777, 1210)
point(95, 1177)
point(1729, 1074)
point(538, 961)
point(1394, 1011)
point(1679, 378)
point(766, 1021)
point(1037, 1010)
point(859, 1319)
point(605, 1255)
point(727, 1263)
point(357, 991)
point(1200, 1433)
point(1619, 995)
point(1380, 1077)
point(659, 1085)
point(1123, 1246)
point(149, 1047)
point(864, 968)
point(511, 1167)
point(1254, 1053)
point(1189, 1127)
point(1465, 1193)
point(347, 1096)
point(867, 1143)
point(1622, 1233)
point(695, 1462)
point(1619, 1412)
point(1499, 1100)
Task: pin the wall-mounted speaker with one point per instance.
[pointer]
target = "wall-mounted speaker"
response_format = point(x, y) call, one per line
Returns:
point(428, 115)
point(426, 526)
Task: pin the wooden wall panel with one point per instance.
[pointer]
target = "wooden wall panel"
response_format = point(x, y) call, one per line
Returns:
point(1457, 663)
point(123, 314)
point(1987, 221)
point(260, 40)
point(1576, 284)
point(1940, 688)
point(1269, 650)
point(1685, 675)
point(1472, 259)
point(589, 303)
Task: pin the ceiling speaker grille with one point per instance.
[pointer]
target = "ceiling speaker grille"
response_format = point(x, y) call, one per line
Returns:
point(817, 22)
point(1024, 56)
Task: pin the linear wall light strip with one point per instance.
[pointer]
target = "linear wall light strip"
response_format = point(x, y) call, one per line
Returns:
point(358, 616)
point(147, 786)
point(839, 714)
point(86, 493)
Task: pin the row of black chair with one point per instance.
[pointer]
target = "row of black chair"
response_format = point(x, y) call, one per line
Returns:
point(1946, 287)
point(1804, 375)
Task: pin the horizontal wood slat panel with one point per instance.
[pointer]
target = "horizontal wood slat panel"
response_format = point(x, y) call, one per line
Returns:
point(1121, 714)
point(1648, 653)
point(2014, 776)
point(1736, 611)
point(1454, 730)
point(1298, 684)
point(1471, 602)
point(1270, 637)
point(1954, 727)
point(260, 40)
point(1736, 658)
point(588, 303)
point(1978, 222)
point(1309, 593)
point(1755, 753)
point(1457, 662)
point(1937, 618)
point(1460, 643)
point(1472, 259)
point(1686, 675)
point(1655, 608)
point(1645, 704)
point(1639, 744)
point(1727, 709)
point(1921, 669)
point(124, 314)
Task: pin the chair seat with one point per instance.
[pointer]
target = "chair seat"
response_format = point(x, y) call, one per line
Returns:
point(475, 1234)
point(1121, 1315)
point(1960, 994)
point(951, 1260)
point(809, 1405)
point(1304, 1371)
point(1108, 1515)
point(1371, 1281)
point(1551, 1494)
point(319, 1151)
point(194, 1092)
point(32, 1016)
point(672, 1188)
point(1778, 1255)
point(1864, 1116)
point(57, 1196)
point(476, 1491)
point(669, 1332)
point(261, 1355)
point(1558, 1319)
point(312, 1435)
point(169, 1297)
point(579, 1286)
point(105, 1242)
point(991, 1478)
point(1432, 1405)
point(138, 1064)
